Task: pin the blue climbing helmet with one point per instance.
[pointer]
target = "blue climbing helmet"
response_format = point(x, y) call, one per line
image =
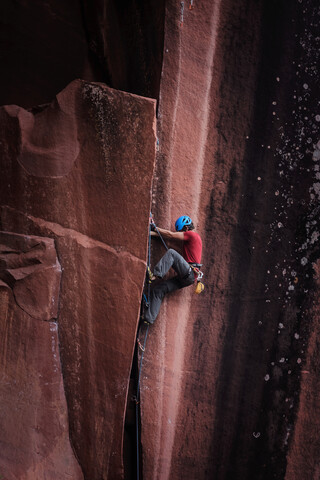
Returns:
point(182, 222)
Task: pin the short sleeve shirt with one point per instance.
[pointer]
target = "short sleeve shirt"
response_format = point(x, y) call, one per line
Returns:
point(192, 247)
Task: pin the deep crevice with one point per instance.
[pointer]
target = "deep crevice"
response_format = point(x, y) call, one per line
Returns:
point(130, 426)
point(132, 446)
point(127, 47)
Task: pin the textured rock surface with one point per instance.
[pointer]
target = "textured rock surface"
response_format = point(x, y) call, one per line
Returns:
point(303, 461)
point(238, 127)
point(34, 418)
point(80, 171)
point(231, 379)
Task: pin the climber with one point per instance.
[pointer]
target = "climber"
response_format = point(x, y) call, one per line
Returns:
point(182, 264)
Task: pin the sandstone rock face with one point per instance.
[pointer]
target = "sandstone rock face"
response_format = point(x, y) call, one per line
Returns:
point(79, 171)
point(230, 380)
point(34, 417)
point(224, 391)
point(303, 461)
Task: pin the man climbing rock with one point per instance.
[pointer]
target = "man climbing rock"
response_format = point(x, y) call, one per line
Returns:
point(183, 265)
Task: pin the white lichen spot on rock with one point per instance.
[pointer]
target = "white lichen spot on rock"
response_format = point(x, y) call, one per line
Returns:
point(299, 360)
point(316, 155)
point(267, 378)
point(296, 336)
point(314, 237)
point(316, 188)
point(304, 261)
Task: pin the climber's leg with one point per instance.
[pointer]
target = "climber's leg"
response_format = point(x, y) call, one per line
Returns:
point(161, 289)
point(176, 261)
point(156, 296)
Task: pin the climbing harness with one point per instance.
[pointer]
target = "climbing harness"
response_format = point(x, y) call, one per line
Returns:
point(196, 269)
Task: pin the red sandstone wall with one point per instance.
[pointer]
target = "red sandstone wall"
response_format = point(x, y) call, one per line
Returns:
point(229, 387)
point(303, 460)
point(34, 416)
point(237, 127)
point(78, 171)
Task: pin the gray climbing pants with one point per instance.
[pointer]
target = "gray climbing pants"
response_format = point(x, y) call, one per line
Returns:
point(184, 278)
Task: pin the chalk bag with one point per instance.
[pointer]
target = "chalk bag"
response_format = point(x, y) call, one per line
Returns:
point(199, 288)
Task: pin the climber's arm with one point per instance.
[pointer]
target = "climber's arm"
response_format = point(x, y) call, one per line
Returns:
point(168, 234)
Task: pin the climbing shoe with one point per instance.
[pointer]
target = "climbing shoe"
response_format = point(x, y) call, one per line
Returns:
point(150, 276)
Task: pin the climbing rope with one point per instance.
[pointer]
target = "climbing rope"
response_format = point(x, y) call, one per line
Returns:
point(142, 347)
point(156, 229)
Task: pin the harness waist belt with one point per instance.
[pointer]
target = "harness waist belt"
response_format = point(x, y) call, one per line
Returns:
point(196, 265)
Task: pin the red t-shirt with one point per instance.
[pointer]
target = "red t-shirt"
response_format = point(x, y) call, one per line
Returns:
point(192, 247)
